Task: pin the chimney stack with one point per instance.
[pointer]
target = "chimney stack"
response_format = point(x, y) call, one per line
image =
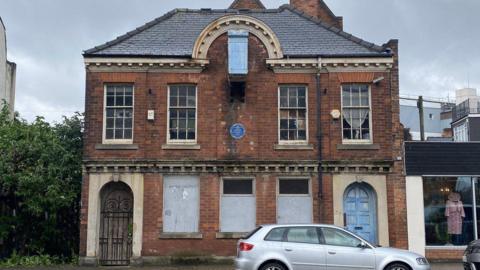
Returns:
point(319, 10)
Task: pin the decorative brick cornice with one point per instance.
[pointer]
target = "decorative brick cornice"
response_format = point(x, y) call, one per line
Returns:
point(139, 64)
point(230, 167)
point(357, 167)
point(314, 65)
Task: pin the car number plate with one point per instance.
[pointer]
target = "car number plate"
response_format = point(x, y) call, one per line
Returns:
point(464, 258)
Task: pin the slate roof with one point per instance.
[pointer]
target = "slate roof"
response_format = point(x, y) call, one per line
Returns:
point(174, 35)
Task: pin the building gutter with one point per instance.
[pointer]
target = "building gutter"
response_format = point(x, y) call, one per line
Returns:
point(319, 141)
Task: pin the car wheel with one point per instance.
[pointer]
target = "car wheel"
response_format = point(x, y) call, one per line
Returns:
point(397, 266)
point(273, 266)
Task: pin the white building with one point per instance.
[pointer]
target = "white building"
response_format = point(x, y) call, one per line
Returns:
point(7, 72)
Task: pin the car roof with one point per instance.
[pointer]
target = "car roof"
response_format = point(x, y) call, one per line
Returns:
point(298, 225)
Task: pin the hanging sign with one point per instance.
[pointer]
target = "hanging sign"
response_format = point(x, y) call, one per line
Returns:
point(237, 131)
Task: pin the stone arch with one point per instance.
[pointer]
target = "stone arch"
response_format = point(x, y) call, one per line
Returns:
point(116, 224)
point(98, 183)
point(237, 22)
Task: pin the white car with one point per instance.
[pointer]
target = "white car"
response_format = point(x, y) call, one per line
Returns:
point(319, 247)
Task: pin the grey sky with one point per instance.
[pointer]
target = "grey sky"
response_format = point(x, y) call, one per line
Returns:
point(439, 42)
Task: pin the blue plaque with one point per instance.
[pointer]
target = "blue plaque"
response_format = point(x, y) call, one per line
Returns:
point(237, 131)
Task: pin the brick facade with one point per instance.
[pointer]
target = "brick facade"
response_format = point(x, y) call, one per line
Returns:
point(259, 114)
point(318, 9)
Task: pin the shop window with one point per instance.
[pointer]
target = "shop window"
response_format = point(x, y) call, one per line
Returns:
point(237, 206)
point(449, 219)
point(476, 182)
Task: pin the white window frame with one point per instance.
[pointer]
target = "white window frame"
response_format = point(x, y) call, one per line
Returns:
point(182, 142)
point(104, 132)
point(295, 142)
point(370, 116)
point(253, 195)
point(461, 132)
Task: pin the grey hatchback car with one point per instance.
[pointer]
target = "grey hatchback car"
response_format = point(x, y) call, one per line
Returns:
point(319, 247)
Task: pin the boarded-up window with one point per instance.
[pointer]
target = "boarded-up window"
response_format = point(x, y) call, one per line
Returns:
point(237, 213)
point(238, 52)
point(181, 204)
point(294, 203)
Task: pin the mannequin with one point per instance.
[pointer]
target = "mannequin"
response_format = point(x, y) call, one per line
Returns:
point(455, 213)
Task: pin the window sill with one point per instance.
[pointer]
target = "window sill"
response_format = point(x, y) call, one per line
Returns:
point(230, 235)
point(181, 147)
point(358, 147)
point(100, 146)
point(180, 236)
point(293, 147)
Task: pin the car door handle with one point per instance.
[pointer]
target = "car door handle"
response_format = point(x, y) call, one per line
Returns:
point(288, 249)
point(332, 252)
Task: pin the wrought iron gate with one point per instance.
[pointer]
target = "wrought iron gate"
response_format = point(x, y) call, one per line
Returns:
point(116, 225)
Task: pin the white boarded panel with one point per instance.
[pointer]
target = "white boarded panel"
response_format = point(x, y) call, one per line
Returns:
point(237, 214)
point(181, 204)
point(294, 209)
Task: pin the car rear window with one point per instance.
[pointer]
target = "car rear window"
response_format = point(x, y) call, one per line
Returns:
point(250, 234)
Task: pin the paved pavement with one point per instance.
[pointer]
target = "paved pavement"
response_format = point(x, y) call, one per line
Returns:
point(447, 266)
point(443, 266)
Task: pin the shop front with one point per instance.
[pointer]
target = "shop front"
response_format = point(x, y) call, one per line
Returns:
point(442, 198)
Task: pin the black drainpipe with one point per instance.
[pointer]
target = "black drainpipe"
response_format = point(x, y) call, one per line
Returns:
point(319, 145)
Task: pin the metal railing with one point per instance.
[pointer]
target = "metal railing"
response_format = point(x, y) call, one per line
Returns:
point(469, 106)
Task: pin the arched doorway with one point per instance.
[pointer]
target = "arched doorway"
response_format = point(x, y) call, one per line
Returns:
point(116, 224)
point(360, 209)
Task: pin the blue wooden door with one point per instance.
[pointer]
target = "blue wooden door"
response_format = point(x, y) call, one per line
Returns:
point(360, 211)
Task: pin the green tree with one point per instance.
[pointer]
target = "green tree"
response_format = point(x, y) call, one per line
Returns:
point(40, 185)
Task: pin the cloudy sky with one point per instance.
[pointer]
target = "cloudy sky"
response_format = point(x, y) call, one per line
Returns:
point(439, 42)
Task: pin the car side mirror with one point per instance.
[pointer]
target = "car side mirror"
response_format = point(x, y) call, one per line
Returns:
point(363, 245)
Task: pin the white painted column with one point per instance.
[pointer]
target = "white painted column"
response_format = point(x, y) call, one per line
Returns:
point(137, 188)
point(415, 214)
point(93, 214)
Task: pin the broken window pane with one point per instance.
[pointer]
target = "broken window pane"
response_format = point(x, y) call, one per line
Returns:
point(293, 110)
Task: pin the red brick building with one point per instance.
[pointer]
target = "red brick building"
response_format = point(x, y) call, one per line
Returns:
point(203, 124)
